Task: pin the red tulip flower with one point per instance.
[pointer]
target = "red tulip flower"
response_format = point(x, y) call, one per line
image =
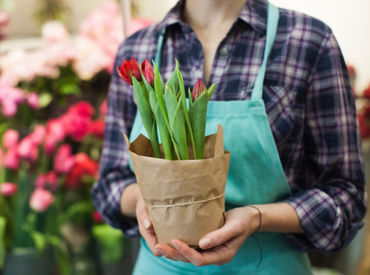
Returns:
point(128, 69)
point(198, 89)
point(148, 72)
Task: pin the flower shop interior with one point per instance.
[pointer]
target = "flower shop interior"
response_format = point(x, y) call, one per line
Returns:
point(56, 61)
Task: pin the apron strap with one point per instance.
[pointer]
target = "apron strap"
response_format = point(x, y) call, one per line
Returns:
point(272, 25)
point(159, 48)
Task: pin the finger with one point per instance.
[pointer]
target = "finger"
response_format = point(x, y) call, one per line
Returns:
point(150, 238)
point(219, 236)
point(143, 215)
point(170, 252)
point(218, 256)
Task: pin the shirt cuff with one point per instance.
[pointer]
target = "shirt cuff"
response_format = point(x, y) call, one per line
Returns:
point(108, 203)
point(325, 226)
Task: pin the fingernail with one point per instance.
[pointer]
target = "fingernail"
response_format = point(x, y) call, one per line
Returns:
point(175, 244)
point(146, 224)
point(159, 252)
point(204, 242)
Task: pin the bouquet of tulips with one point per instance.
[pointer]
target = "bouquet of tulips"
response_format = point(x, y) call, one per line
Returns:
point(164, 106)
point(184, 192)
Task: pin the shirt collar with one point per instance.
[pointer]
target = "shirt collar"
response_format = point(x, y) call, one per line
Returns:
point(253, 13)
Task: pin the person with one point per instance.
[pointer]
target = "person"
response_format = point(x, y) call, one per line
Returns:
point(284, 98)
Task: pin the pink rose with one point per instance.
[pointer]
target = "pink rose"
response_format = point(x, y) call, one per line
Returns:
point(38, 134)
point(33, 100)
point(27, 149)
point(78, 126)
point(50, 143)
point(54, 31)
point(10, 138)
point(55, 128)
point(63, 160)
point(8, 189)
point(41, 199)
point(8, 108)
point(82, 108)
point(11, 159)
point(97, 128)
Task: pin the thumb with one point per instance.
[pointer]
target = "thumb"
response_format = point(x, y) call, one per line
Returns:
point(218, 237)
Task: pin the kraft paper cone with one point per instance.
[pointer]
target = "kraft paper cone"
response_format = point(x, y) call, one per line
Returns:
point(185, 198)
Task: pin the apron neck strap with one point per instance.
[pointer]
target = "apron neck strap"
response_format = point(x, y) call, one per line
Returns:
point(159, 48)
point(272, 25)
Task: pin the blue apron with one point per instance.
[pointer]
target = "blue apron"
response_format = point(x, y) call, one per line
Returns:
point(255, 176)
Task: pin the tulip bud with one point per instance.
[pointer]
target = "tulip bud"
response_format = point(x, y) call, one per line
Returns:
point(8, 189)
point(41, 200)
point(148, 72)
point(128, 69)
point(198, 89)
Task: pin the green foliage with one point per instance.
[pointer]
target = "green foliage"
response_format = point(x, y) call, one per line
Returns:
point(110, 242)
point(2, 241)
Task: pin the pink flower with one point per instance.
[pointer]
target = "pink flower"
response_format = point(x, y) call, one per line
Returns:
point(33, 100)
point(82, 108)
point(97, 217)
point(27, 149)
point(49, 178)
point(10, 139)
point(198, 89)
point(11, 159)
point(52, 180)
point(63, 161)
point(38, 134)
point(97, 128)
point(8, 189)
point(41, 181)
point(103, 108)
point(54, 31)
point(50, 143)
point(41, 199)
point(55, 128)
point(8, 108)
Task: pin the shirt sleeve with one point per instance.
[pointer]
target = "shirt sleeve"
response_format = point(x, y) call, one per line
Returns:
point(114, 172)
point(332, 209)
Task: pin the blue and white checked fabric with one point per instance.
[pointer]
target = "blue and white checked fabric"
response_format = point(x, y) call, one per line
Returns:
point(309, 103)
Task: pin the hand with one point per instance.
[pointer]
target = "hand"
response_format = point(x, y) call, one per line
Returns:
point(220, 246)
point(145, 224)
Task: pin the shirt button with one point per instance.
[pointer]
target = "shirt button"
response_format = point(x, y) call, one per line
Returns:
point(224, 51)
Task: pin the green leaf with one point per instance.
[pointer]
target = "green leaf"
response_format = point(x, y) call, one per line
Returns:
point(162, 127)
point(186, 114)
point(173, 82)
point(198, 119)
point(45, 99)
point(39, 240)
point(210, 90)
point(110, 242)
point(146, 114)
point(177, 123)
point(2, 241)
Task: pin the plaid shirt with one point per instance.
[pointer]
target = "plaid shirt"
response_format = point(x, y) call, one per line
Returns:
point(309, 104)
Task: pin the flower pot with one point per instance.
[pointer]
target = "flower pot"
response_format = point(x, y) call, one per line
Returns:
point(29, 261)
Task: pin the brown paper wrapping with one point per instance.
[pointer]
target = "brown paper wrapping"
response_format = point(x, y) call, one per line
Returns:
point(185, 198)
